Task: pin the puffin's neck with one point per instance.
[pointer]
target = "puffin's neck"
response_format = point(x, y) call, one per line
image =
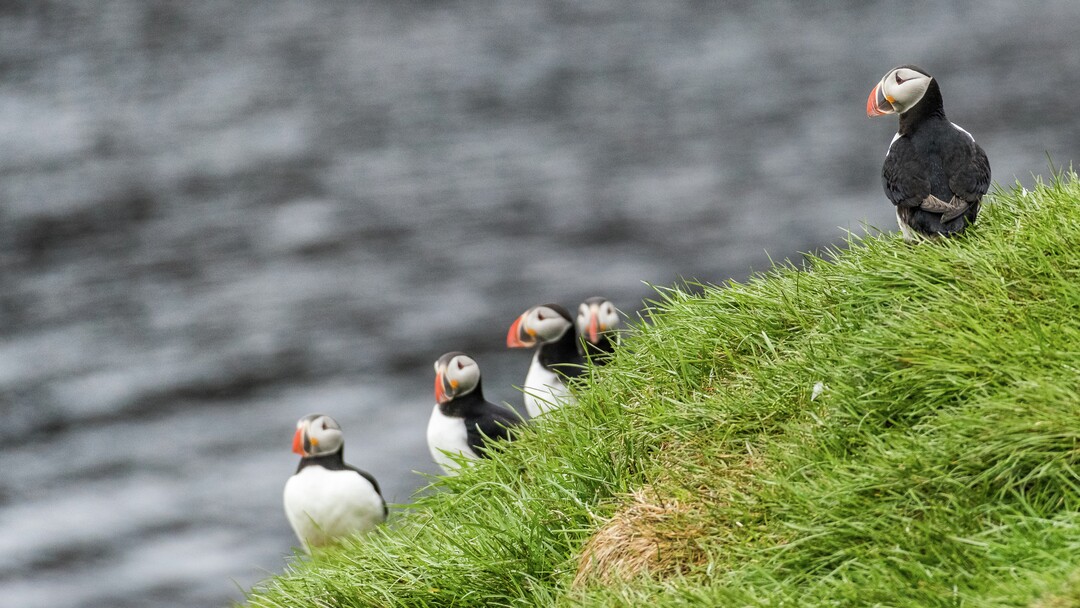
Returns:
point(331, 462)
point(603, 346)
point(464, 405)
point(564, 350)
point(930, 106)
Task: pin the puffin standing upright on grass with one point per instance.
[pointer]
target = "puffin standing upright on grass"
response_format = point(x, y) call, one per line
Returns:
point(934, 172)
point(557, 359)
point(463, 421)
point(327, 499)
point(597, 320)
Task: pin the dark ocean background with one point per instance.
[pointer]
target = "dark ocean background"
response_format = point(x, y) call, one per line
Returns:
point(216, 217)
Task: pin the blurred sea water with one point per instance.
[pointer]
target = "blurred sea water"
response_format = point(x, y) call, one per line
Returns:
point(218, 217)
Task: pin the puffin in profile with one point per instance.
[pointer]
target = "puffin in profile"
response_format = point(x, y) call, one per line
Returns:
point(934, 172)
point(557, 359)
point(462, 421)
point(327, 499)
point(597, 320)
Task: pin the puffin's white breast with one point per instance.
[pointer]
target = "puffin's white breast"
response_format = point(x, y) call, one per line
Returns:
point(447, 434)
point(544, 389)
point(323, 505)
point(909, 233)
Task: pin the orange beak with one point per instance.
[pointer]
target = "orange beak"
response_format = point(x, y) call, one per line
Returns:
point(440, 394)
point(594, 328)
point(513, 337)
point(298, 442)
point(878, 104)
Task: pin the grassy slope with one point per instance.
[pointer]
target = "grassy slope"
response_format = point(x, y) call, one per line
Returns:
point(940, 466)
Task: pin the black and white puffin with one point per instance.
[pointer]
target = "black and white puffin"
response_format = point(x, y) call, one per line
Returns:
point(934, 172)
point(557, 359)
point(462, 421)
point(597, 321)
point(327, 499)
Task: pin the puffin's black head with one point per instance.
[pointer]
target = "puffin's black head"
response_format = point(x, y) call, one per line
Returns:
point(595, 316)
point(456, 374)
point(544, 323)
point(317, 435)
point(899, 91)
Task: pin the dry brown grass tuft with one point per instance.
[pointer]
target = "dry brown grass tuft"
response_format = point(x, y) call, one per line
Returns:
point(1068, 597)
point(650, 534)
point(657, 534)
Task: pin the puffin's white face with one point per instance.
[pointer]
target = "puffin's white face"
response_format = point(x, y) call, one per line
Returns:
point(456, 374)
point(897, 92)
point(317, 435)
point(594, 317)
point(545, 323)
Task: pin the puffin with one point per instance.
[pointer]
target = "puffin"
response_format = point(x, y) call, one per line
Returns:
point(326, 498)
point(556, 360)
point(597, 320)
point(934, 173)
point(462, 421)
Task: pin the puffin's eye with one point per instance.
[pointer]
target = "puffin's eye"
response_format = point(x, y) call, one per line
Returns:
point(460, 365)
point(898, 79)
point(539, 316)
point(324, 425)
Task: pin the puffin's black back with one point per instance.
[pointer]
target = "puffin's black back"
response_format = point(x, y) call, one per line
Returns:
point(482, 418)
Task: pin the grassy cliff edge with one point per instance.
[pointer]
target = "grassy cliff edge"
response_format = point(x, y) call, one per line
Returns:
point(893, 424)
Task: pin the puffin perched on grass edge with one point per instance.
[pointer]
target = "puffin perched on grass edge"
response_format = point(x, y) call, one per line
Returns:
point(462, 421)
point(327, 499)
point(597, 324)
point(557, 358)
point(934, 172)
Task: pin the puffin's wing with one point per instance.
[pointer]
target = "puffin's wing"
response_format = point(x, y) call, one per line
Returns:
point(366, 476)
point(374, 484)
point(903, 176)
point(969, 170)
point(571, 369)
point(494, 424)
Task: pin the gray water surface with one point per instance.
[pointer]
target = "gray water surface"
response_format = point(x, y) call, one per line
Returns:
point(218, 217)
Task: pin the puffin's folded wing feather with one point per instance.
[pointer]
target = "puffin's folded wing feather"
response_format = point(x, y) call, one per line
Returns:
point(492, 426)
point(969, 173)
point(903, 176)
point(949, 211)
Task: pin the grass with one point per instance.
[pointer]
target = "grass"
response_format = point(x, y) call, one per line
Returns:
point(940, 465)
